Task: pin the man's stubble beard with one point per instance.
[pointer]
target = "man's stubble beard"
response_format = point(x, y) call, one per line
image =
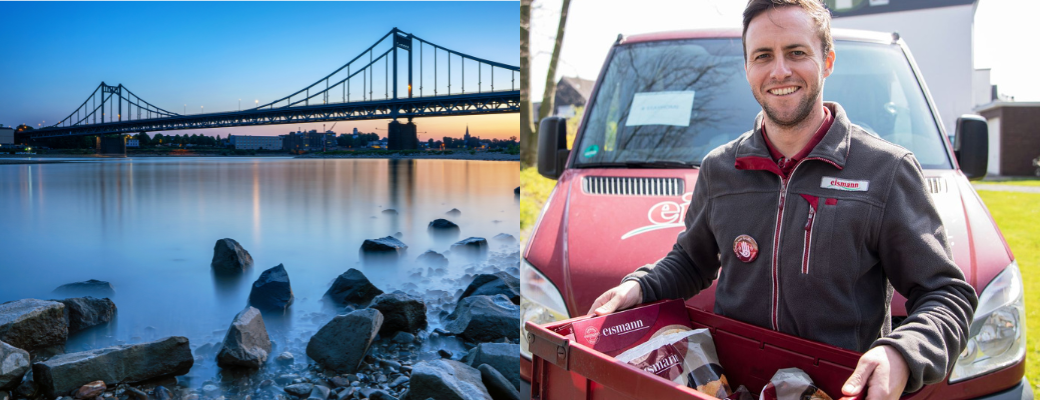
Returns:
point(801, 112)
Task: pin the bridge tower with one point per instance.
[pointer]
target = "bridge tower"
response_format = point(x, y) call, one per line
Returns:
point(402, 136)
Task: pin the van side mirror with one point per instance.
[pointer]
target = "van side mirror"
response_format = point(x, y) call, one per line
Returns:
point(972, 145)
point(552, 147)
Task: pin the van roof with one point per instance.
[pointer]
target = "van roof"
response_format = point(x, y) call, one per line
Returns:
point(837, 34)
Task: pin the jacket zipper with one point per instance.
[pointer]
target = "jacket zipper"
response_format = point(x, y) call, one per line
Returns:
point(807, 244)
point(777, 234)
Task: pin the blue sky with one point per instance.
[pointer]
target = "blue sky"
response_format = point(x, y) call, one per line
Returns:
point(188, 55)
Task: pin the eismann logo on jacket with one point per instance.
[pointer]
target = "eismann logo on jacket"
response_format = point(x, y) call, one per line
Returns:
point(829, 182)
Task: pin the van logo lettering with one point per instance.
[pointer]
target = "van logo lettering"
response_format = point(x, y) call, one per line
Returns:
point(664, 215)
point(847, 185)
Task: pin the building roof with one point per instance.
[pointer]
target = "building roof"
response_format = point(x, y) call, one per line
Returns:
point(573, 91)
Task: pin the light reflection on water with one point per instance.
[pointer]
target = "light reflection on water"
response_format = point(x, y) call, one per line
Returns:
point(148, 226)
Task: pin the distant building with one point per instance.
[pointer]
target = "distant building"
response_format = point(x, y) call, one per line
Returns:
point(133, 143)
point(304, 141)
point(1013, 142)
point(242, 142)
point(571, 93)
point(6, 135)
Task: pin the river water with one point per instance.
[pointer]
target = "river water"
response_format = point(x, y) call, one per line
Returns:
point(148, 226)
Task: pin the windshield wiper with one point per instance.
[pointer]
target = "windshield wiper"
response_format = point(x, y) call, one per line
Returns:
point(663, 164)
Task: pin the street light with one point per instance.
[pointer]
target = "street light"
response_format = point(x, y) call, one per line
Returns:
point(257, 103)
point(203, 109)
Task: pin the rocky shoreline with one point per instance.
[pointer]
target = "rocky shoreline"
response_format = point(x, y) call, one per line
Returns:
point(377, 346)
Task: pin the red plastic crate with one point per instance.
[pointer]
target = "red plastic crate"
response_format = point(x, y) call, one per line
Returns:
point(750, 355)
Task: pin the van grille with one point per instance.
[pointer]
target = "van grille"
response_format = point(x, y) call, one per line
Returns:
point(936, 185)
point(624, 186)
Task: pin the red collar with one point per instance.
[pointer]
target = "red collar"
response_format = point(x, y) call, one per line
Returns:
point(828, 119)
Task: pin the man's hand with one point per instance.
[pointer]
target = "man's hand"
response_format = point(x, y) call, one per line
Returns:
point(617, 298)
point(882, 371)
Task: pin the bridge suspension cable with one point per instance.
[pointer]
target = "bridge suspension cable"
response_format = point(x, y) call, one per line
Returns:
point(89, 112)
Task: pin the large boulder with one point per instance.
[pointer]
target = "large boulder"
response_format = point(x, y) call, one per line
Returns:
point(441, 227)
point(119, 364)
point(272, 292)
point(382, 249)
point(401, 312)
point(86, 312)
point(341, 344)
point(445, 380)
point(504, 357)
point(14, 363)
point(474, 247)
point(504, 238)
point(492, 284)
point(230, 257)
point(246, 343)
point(484, 319)
point(353, 288)
point(497, 385)
point(31, 324)
point(432, 259)
point(92, 287)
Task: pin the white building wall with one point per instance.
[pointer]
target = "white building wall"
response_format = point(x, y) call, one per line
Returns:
point(941, 42)
point(993, 167)
point(982, 90)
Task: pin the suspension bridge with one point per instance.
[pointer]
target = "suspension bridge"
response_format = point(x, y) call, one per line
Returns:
point(351, 92)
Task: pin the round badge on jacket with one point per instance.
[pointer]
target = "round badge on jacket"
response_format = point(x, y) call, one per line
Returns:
point(746, 248)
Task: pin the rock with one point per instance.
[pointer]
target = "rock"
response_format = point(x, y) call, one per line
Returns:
point(352, 287)
point(286, 358)
point(398, 235)
point(390, 211)
point(319, 393)
point(484, 319)
point(339, 381)
point(31, 324)
point(137, 393)
point(376, 394)
point(444, 353)
point(92, 287)
point(230, 257)
point(401, 312)
point(300, 389)
point(286, 379)
point(454, 212)
point(210, 390)
point(399, 381)
point(497, 385)
point(14, 363)
point(341, 344)
point(246, 343)
point(446, 380)
point(432, 259)
point(128, 363)
point(504, 238)
point(503, 357)
point(475, 247)
point(492, 284)
point(383, 248)
point(403, 338)
point(28, 388)
point(443, 227)
point(162, 393)
point(86, 312)
point(517, 191)
point(272, 292)
point(91, 390)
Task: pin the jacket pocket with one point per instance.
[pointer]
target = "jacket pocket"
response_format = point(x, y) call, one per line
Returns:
point(809, 223)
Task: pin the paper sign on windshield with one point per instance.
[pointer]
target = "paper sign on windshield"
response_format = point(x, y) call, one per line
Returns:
point(661, 108)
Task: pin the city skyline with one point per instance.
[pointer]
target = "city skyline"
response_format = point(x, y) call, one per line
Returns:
point(206, 63)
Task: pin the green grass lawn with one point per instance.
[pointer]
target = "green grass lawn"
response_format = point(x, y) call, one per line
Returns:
point(1011, 181)
point(1018, 216)
point(534, 190)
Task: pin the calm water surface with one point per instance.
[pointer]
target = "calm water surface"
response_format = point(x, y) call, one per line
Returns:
point(148, 226)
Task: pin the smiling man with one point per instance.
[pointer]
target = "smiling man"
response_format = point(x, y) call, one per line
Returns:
point(805, 171)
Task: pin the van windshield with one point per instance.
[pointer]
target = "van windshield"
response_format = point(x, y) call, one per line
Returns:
point(669, 103)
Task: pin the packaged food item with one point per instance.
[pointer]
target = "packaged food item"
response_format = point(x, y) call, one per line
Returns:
point(792, 384)
point(684, 357)
point(614, 333)
point(742, 393)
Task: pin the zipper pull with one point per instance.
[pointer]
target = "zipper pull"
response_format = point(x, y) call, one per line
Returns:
point(812, 214)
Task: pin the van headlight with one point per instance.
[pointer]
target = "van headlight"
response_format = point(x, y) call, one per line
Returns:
point(996, 339)
point(540, 302)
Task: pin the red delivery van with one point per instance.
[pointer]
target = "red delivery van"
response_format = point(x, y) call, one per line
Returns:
point(622, 192)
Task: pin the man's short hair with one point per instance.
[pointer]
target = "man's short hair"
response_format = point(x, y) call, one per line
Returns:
point(817, 11)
